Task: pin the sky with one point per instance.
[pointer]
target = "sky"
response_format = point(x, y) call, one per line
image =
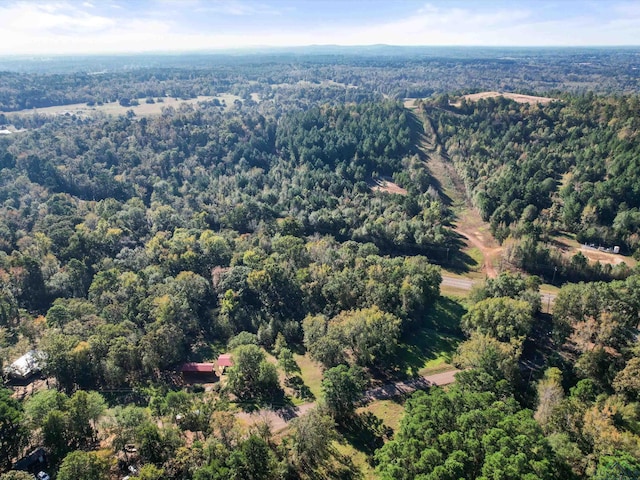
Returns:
point(123, 26)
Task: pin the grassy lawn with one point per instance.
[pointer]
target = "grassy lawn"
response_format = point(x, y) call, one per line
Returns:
point(389, 411)
point(360, 442)
point(114, 108)
point(477, 257)
point(311, 374)
point(475, 273)
point(358, 458)
point(455, 293)
point(426, 352)
point(429, 349)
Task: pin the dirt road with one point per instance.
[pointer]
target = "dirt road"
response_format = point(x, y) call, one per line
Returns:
point(468, 224)
point(457, 282)
point(279, 419)
point(477, 240)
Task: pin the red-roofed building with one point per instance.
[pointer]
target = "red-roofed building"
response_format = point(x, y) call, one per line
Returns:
point(193, 367)
point(224, 361)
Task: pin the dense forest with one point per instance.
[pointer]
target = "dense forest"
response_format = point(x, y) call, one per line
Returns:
point(397, 72)
point(535, 170)
point(304, 230)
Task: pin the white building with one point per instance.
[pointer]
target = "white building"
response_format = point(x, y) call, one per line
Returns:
point(28, 364)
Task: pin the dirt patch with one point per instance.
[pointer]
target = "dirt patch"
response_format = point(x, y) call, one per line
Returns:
point(570, 247)
point(469, 224)
point(410, 103)
point(490, 254)
point(603, 257)
point(386, 185)
point(516, 97)
point(30, 387)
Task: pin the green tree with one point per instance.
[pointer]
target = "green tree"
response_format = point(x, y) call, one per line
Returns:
point(252, 377)
point(326, 349)
point(38, 405)
point(253, 460)
point(343, 387)
point(622, 466)
point(466, 434)
point(627, 381)
point(287, 362)
point(311, 439)
point(16, 475)
point(150, 472)
point(489, 355)
point(370, 334)
point(84, 409)
point(151, 443)
point(13, 433)
point(67, 360)
point(81, 465)
point(56, 434)
point(124, 424)
point(513, 286)
point(156, 445)
point(161, 346)
point(503, 318)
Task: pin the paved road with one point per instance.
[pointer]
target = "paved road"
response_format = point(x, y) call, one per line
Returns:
point(400, 388)
point(467, 284)
point(457, 282)
point(278, 419)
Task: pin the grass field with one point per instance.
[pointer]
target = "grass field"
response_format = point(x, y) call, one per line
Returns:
point(114, 108)
point(429, 349)
point(389, 411)
point(570, 246)
point(311, 374)
point(359, 459)
point(358, 447)
point(516, 97)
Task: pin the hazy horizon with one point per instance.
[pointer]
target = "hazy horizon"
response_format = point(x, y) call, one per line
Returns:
point(75, 27)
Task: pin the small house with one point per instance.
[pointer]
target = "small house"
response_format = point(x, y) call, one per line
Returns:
point(224, 361)
point(27, 365)
point(193, 367)
point(193, 372)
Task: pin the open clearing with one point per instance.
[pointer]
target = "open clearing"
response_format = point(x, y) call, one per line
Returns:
point(481, 246)
point(595, 255)
point(114, 108)
point(516, 97)
point(389, 411)
point(385, 184)
point(569, 247)
point(311, 373)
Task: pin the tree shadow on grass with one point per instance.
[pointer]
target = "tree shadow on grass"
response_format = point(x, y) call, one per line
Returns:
point(276, 400)
point(300, 389)
point(458, 261)
point(365, 432)
point(437, 338)
point(342, 468)
point(444, 315)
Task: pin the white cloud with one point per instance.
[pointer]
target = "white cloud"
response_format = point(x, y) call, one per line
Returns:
point(73, 27)
point(237, 8)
